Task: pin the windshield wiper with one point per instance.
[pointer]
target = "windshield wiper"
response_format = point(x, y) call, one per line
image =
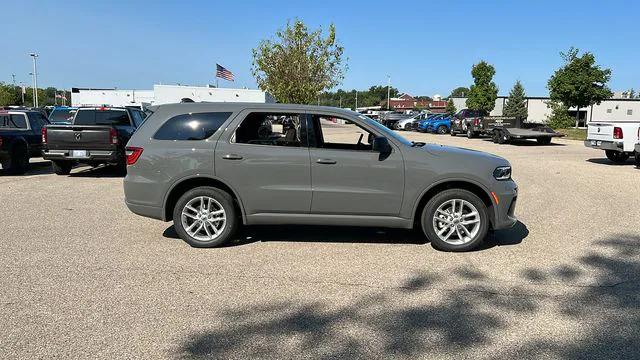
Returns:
point(417, 144)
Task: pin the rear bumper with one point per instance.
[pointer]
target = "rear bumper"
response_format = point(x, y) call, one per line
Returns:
point(146, 211)
point(103, 156)
point(604, 145)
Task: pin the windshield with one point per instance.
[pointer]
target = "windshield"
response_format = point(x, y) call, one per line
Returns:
point(385, 130)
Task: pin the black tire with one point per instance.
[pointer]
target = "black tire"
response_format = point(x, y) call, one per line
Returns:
point(638, 160)
point(443, 197)
point(470, 133)
point(62, 167)
point(503, 137)
point(442, 130)
point(18, 162)
point(495, 136)
point(452, 132)
point(617, 156)
point(544, 140)
point(227, 204)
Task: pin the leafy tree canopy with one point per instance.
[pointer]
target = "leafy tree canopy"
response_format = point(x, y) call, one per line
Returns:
point(451, 108)
point(299, 64)
point(460, 92)
point(484, 92)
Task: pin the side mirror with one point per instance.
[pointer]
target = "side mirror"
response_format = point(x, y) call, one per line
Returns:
point(381, 145)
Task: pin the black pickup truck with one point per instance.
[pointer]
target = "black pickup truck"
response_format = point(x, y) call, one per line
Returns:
point(97, 135)
point(20, 138)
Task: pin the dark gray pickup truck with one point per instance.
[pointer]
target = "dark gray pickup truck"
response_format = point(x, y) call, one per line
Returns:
point(20, 138)
point(97, 135)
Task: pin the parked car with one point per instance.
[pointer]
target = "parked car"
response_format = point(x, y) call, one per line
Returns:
point(62, 115)
point(442, 125)
point(617, 139)
point(20, 138)
point(468, 122)
point(208, 167)
point(423, 124)
point(97, 135)
point(391, 118)
point(410, 123)
point(503, 129)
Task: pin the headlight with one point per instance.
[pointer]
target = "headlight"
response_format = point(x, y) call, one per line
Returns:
point(502, 173)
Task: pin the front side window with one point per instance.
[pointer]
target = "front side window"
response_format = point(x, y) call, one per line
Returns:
point(336, 133)
point(276, 129)
point(192, 126)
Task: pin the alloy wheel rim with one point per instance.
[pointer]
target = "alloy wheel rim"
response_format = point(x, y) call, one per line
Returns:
point(203, 218)
point(456, 222)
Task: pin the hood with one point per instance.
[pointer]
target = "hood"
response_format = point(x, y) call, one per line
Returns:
point(462, 153)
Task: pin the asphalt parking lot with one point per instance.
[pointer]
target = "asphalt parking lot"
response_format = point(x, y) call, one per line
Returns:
point(83, 277)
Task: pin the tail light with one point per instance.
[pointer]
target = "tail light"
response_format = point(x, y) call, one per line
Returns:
point(113, 135)
point(133, 154)
point(617, 133)
point(476, 122)
point(44, 135)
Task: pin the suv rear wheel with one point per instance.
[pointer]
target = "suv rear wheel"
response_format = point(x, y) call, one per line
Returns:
point(638, 159)
point(455, 220)
point(442, 129)
point(205, 217)
point(617, 157)
point(18, 163)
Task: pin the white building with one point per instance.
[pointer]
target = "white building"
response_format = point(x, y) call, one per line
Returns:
point(608, 110)
point(165, 94)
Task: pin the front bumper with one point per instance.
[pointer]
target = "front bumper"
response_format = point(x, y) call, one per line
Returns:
point(504, 209)
point(103, 156)
point(604, 145)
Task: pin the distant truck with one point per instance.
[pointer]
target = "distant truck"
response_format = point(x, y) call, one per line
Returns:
point(617, 139)
point(20, 138)
point(96, 135)
point(503, 129)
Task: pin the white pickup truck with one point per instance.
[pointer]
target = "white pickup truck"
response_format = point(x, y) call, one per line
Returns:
point(619, 140)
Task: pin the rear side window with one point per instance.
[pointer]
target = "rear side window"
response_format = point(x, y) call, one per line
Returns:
point(17, 121)
point(101, 117)
point(197, 126)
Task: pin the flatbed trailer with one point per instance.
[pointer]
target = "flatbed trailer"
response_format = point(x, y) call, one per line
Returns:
point(503, 129)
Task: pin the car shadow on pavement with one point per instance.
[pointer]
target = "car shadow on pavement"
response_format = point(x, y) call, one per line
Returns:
point(101, 171)
point(349, 234)
point(464, 313)
point(605, 161)
point(36, 167)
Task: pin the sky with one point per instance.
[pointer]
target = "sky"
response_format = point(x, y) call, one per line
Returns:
point(425, 47)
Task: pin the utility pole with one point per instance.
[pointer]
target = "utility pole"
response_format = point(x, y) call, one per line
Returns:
point(340, 101)
point(356, 109)
point(22, 91)
point(388, 90)
point(35, 80)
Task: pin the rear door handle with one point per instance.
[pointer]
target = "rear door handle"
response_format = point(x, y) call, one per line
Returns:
point(326, 161)
point(232, 157)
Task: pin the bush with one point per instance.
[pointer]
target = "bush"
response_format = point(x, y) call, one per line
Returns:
point(559, 117)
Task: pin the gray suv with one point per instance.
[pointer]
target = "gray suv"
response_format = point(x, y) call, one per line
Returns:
point(210, 166)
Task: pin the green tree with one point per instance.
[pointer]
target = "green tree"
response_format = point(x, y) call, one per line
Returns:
point(9, 94)
point(579, 82)
point(484, 92)
point(459, 92)
point(559, 117)
point(300, 64)
point(516, 105)
point(451, 108)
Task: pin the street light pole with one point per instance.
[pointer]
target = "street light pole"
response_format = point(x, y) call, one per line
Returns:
point(388, 90)
point(35, 80)
point(356, 109)
point(14, 79)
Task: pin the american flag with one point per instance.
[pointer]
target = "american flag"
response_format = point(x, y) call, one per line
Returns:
point(223, 73)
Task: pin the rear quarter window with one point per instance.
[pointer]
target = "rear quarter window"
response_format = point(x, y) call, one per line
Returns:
point(198, 126)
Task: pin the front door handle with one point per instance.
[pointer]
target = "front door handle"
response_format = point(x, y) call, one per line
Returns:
point(232, 157)
point(326, 161)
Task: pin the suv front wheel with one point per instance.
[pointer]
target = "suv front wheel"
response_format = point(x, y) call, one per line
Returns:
point(205, 217)
point(455, 220)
